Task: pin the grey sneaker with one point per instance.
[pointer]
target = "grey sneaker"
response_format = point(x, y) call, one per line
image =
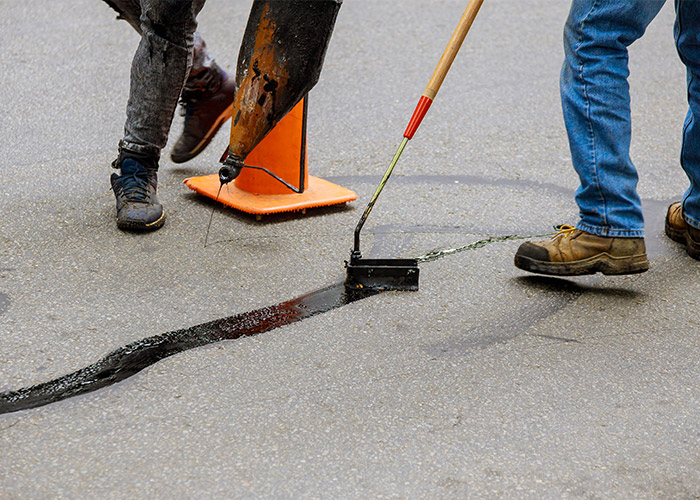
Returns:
point(207, 102)
point(138, 208)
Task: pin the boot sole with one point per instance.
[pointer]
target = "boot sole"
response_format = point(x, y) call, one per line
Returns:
point(601, 263)
point(141, 227)
point(185, 157)
point(682, 236)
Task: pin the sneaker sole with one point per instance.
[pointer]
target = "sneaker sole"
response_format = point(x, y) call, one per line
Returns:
point(601, 263)
point(182, 158)
point(140, 226)
point(682, 236)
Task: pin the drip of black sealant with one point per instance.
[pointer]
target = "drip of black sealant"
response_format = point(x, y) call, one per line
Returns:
point(132, 358)
point(211, 216)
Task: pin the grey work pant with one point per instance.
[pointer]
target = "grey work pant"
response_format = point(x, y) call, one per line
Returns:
point(170, 50)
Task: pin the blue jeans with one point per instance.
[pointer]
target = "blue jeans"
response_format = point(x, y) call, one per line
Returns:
point(596, 105)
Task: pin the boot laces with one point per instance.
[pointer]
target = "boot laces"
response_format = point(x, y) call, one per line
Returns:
point(134, 186)
point(565, 231)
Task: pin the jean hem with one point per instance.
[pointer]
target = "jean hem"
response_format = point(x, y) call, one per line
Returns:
point(143, 149)
point(691, 222)
point(609, 232)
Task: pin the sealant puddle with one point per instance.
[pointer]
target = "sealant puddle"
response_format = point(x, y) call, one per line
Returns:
point(132, 358)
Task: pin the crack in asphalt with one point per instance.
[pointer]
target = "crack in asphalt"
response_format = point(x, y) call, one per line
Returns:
point(128, 360)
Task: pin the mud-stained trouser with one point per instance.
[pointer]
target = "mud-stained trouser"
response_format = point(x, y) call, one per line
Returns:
point(170, 50)
point(596, 105)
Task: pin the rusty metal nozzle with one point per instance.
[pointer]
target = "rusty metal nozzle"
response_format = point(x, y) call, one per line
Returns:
point(231, 169)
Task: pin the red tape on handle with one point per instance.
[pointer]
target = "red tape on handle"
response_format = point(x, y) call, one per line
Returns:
point(420, 111)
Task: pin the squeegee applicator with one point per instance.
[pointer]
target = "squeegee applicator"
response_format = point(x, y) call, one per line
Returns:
point(402, 274)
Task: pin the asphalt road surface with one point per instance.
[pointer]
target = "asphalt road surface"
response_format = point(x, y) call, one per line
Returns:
point(486, 383)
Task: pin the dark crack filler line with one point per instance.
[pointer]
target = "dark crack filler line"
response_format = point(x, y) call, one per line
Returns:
point(132, 358)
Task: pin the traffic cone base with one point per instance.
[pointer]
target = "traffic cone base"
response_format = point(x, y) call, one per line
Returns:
point(282, 151)
point(319, 192)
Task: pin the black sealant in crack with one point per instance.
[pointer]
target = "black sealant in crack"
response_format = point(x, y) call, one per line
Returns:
point(132, 358)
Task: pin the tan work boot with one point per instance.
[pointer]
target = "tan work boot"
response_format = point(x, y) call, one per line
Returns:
point(679, 230)
point(572, 252)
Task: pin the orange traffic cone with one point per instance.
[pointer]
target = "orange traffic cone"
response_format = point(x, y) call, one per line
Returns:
point(281, 154)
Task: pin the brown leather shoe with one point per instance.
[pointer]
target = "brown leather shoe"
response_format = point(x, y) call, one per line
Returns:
point(679, 230)
point(572, 252)
point(207, 102)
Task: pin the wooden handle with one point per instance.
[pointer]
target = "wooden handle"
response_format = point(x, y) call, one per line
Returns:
point(443, 67)
point(452, 48)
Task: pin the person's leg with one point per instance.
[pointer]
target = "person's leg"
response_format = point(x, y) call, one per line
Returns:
point(687, 33)
point(129, 10)
point(683, 219)
point(158, 72)
point(596, 106)
point(206, 98)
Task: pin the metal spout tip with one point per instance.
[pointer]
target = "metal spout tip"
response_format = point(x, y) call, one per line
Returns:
point(231, 169)
point(227, 174)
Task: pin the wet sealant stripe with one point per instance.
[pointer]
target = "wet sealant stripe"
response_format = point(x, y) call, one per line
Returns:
point(132, 358)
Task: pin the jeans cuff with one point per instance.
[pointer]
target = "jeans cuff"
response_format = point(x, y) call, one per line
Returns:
point(140, 149)
point(609, 232)
point(148, 156)
point(691, 222)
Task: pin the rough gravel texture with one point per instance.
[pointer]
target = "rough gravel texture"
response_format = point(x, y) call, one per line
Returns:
point(486, 383)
